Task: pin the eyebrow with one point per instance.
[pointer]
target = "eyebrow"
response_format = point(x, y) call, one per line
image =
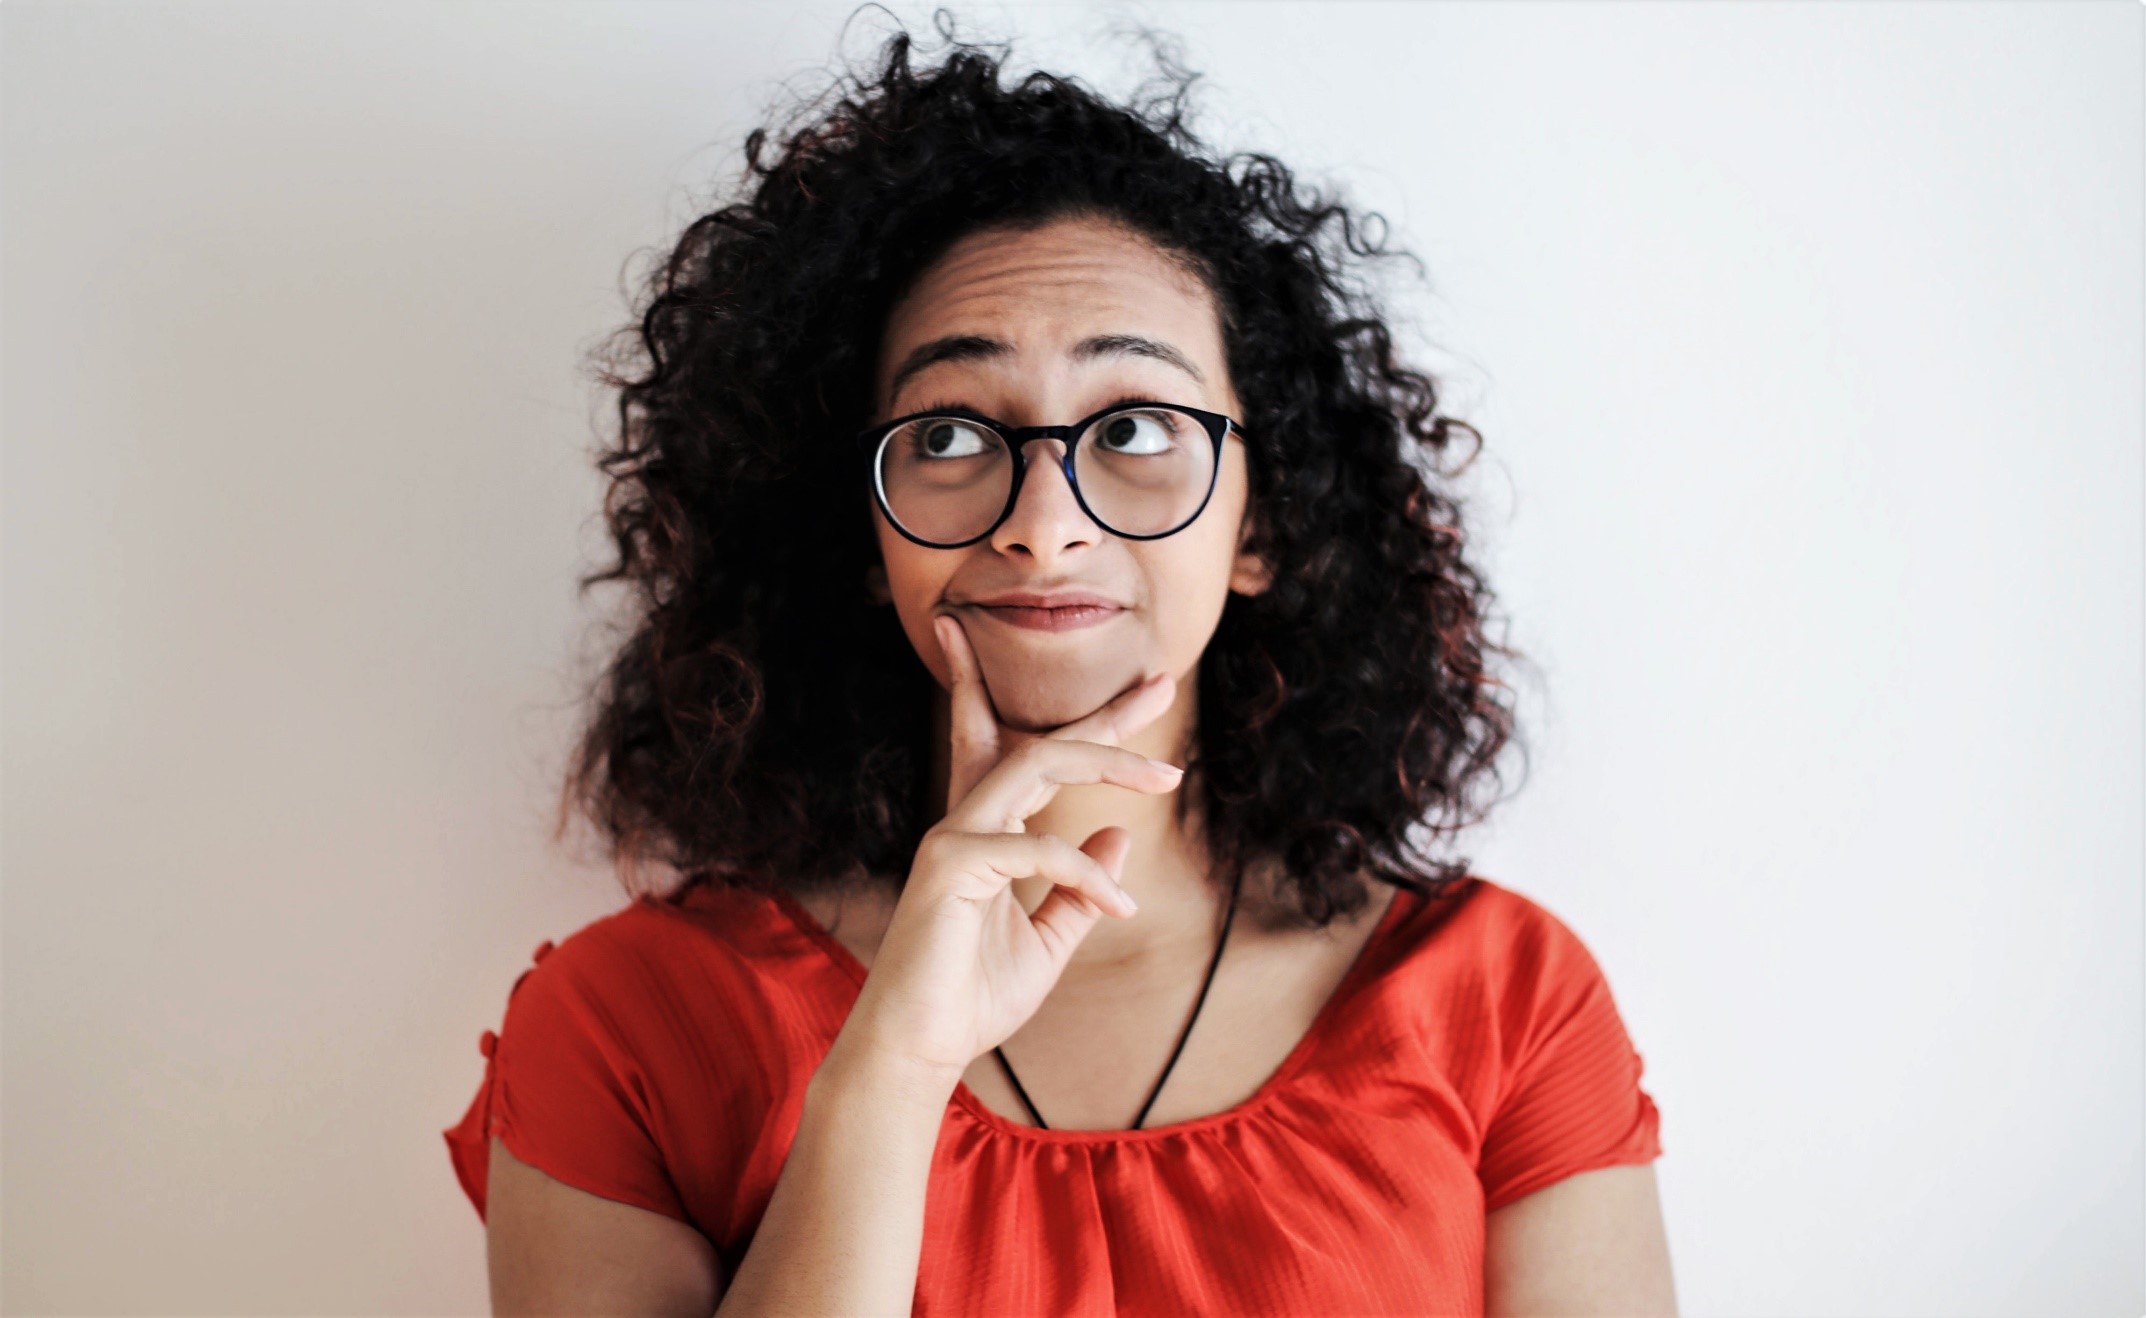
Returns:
point(980, 347)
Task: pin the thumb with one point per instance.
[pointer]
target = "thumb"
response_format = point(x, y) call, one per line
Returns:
point(1065, 916)
point(1110, 844)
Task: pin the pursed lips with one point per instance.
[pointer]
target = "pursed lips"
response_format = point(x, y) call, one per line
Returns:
point(1052, 618)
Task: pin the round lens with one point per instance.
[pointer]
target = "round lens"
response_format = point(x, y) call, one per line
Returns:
point(1145, 470)
point(944, 478)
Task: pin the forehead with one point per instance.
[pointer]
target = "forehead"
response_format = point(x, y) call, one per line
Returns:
point(1047, 291)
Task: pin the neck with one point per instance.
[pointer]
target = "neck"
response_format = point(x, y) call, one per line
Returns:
point(1166, 866)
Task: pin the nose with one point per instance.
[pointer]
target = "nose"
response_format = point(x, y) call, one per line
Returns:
point(1046, 521)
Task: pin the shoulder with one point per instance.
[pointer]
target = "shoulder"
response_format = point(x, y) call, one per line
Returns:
point(640, 1055)
point(1483, 930)
point(1553, 986)
point(644, 962)
point(613, 952)
point(1527, 940)
point(1553, 1058)
point(1487, 974)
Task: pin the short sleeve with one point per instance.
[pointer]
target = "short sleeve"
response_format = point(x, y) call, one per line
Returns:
point(1572, 1101)
point(562, 1094)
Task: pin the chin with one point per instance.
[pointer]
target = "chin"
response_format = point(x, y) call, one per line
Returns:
point(1035, 695)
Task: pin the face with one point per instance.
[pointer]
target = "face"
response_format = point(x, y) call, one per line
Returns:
point(1039, 295)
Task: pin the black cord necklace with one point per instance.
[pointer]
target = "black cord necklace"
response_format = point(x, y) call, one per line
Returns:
point(1227, 920)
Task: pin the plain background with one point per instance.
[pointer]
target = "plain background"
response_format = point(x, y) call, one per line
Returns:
point(1806, 339)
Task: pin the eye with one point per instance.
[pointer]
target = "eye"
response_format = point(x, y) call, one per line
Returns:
point(1138, 434)
point(949, 437)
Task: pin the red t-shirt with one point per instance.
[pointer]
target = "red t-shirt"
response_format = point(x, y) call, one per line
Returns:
point(1471, 1055)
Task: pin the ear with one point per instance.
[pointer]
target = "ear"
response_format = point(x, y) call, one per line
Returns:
point(875, 584)
point(1249, 573)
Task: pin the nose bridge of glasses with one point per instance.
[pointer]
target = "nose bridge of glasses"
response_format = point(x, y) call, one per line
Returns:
point(1017, 437)
point(1058, 461)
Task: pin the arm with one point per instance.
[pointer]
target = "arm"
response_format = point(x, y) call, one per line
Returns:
point(961, 966)
point(553, 1248)
point(845, 1226)
point(1588, 1244)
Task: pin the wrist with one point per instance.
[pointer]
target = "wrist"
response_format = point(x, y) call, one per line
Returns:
point(851, 1067)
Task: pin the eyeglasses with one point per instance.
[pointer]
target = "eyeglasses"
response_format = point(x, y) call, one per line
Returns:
point(1142, 470)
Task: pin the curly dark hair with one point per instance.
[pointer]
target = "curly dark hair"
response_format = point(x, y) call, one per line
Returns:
point(765, 724)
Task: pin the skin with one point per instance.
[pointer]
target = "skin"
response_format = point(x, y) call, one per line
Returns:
point(1590, 1244)
point(1042, 292)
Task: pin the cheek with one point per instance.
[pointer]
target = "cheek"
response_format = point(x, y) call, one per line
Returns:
point(1188, 578)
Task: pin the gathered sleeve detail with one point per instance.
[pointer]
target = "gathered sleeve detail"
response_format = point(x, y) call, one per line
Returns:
point(1572, 1100)
point(563, 1094)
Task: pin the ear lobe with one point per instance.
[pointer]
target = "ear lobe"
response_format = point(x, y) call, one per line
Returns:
point(1249, 574)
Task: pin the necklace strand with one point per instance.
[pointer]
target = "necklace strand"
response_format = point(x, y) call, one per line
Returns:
point(1227, 920)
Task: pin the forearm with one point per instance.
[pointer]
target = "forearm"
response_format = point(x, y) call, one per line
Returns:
point(845, 1224)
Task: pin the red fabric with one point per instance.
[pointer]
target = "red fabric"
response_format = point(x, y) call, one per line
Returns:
point(1472, 1055)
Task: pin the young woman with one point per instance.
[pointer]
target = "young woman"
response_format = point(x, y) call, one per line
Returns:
point(1001, 454)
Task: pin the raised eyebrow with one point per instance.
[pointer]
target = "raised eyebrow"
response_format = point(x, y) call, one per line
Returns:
point(950, 348)
point(1134, 345)
point(982, 347)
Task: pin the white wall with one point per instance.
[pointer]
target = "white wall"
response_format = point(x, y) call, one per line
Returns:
point(1807, 343)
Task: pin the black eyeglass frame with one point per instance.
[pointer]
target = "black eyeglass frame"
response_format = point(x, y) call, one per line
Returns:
point(874, 438)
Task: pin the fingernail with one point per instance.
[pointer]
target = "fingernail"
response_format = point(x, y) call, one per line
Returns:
point(1127, 898)
point(1164, 764)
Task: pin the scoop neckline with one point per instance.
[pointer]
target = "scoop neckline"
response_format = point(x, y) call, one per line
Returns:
point(1269, 1090)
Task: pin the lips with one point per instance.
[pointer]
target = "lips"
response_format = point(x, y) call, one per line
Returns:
point(1049, 611)
point(1051, 620)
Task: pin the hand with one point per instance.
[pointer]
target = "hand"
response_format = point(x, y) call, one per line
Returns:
point(962, 965)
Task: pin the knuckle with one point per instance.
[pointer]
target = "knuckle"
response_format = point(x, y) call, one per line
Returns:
point(1010, 854)
point(934, 847)
point(1070, 862)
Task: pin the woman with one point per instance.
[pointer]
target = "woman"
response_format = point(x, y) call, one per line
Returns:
point(1000, 454)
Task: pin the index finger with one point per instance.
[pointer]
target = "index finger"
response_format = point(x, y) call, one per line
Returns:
point(973, 726)
point(1025, 781)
